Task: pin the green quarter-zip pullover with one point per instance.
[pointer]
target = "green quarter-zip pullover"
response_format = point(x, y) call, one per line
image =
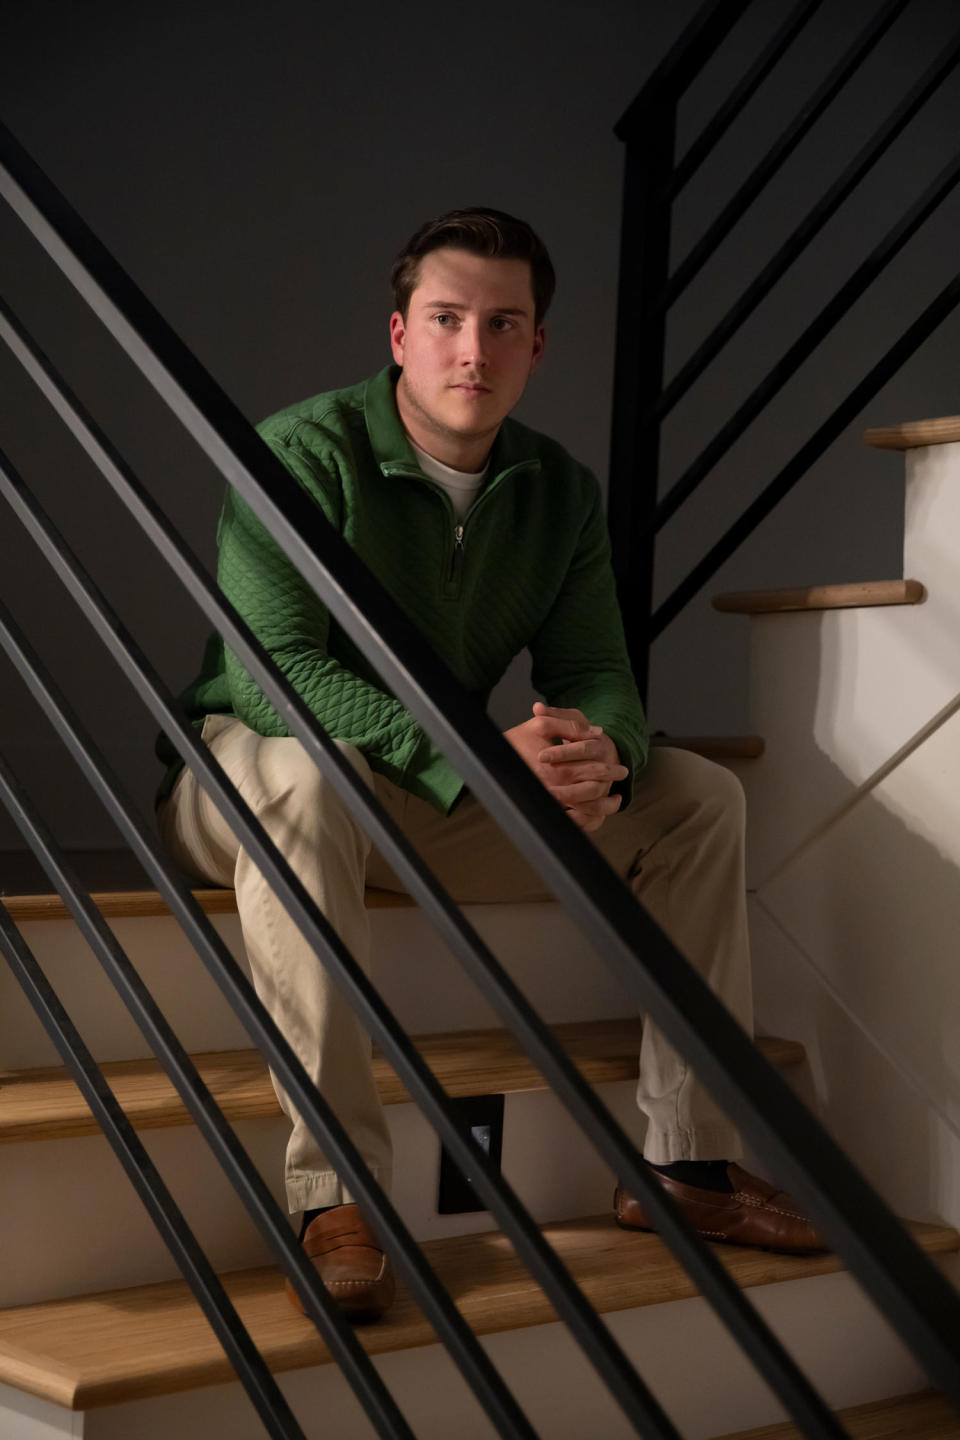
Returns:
point(528, 566)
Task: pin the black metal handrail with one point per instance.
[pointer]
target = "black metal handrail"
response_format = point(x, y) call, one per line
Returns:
point(885, 1259)
point(642, 399)
point(684, 60)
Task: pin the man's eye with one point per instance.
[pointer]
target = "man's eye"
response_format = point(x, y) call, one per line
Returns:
point(440, 318)
point(501, 322)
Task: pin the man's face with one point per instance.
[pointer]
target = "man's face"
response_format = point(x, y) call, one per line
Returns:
point(468, 347)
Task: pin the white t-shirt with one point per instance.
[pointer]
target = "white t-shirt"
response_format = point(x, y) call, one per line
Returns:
point(461, 486)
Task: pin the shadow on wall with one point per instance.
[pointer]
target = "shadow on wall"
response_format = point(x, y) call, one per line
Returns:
point(872, 895)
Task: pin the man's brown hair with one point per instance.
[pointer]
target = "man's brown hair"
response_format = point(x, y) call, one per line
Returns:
point(481, 231)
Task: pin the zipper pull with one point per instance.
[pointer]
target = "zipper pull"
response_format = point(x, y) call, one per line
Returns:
point(456, 559)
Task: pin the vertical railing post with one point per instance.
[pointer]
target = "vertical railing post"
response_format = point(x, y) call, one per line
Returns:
point(638, 375)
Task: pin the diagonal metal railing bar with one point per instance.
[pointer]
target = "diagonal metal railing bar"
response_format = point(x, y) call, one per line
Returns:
point(682, 63)
point(796, 468)
point(336, 1333)
point(494, 982)
point(741, 95)
point(252, 1372)
point(781, 150)
point(910, 1291)
point(875, 263)
point(572, 1306)
point(809, 227)
point(433, 1299)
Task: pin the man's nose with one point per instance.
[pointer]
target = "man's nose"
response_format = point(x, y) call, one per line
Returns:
point(473, 342)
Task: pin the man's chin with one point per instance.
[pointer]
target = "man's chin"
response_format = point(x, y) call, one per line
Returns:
point(474, 417)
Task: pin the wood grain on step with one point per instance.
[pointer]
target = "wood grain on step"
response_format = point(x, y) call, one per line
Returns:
point(821, 597)
point(45, 1104)
point(913, 434)
point(143, 904)
point(152, 1340)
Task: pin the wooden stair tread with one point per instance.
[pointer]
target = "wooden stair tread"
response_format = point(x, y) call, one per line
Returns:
point(139, 904)
point(914, 433)
point(124, 1345)
point(715, 747)
point(821, 597)
point(119, 886)
point(45, 1104)
point(924, 1416)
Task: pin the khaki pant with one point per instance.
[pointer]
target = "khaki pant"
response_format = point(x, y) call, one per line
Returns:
point(679, 844)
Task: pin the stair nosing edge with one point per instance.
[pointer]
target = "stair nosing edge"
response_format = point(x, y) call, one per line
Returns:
point(100, 1392)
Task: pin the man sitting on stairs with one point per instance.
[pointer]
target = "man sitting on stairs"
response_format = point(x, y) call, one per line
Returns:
point(492, 539)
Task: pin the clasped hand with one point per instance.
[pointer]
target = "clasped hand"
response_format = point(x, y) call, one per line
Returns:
point(574, 760)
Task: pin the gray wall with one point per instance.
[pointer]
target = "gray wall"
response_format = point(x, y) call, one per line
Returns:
point(256, 168)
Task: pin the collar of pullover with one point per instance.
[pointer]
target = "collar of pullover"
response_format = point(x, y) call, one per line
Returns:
point(514, 448)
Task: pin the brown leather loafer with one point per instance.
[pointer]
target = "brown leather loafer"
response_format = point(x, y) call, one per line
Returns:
point(350, 1261)
point(755, 1214)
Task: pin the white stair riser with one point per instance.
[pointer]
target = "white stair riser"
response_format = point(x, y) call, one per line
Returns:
point(72, 1222)
point(698, 1372)
point(26, 1417)
point(416, 973)
point(931, 531)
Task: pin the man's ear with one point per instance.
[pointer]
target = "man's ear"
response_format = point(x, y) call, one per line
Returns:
point(539, 343)
point(398, 335)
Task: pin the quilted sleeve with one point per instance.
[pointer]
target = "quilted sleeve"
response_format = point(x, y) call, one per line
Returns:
point(579, 653)
point(294, 627)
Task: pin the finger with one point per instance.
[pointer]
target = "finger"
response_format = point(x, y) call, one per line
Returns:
point(574, 770)
point(558, 713)
point(587, 791)
point(587, 816)
point(602, 809)
point(586, 822)
point(575, 750)
point(557, 776)
point(555, 727)
point(573, 774)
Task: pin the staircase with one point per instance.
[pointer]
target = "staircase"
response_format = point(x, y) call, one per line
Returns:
point(98, 1338)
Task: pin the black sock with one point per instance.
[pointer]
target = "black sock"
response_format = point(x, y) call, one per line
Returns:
point(705, 1174)
point(309, 1215)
